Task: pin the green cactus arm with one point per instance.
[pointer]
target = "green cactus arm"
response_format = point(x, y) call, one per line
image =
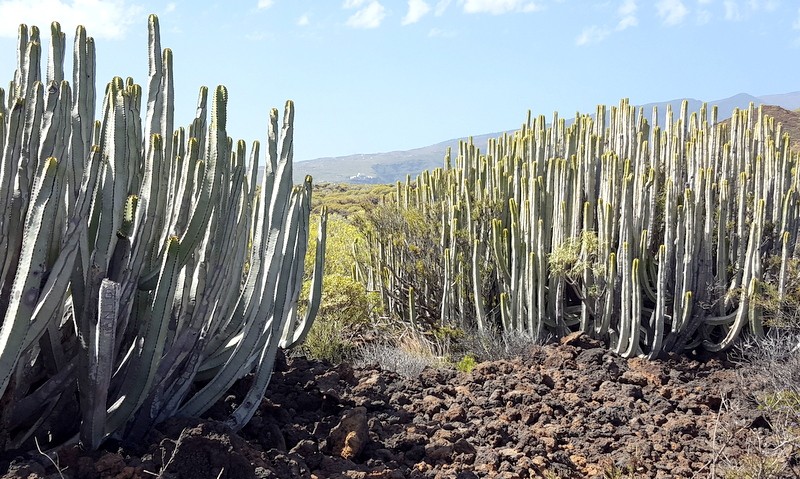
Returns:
point(784, 268)
point(657, 327)
point(100, 367)
point(182, 360)
point(298, 333)
point(147, 352)
point(264, 241)
point(279, 226)
point(260, 319)
point(30, 273)
point(9, 206)
point(632, 348)
point(624, 326)
point(155, 100)
point(266, 358)
point(740, 320)
point(201, 212)
point(167, 120)
point(609, 306)
point(113, 190)
point(30, 152)
point(55, 62)
point(83, 106)
point(29, 57)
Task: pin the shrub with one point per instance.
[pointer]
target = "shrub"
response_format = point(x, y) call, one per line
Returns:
point(391, 358)
point(771, 374)
point(326, 342)
point(467, 363)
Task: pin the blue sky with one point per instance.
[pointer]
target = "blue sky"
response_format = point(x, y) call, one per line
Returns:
point(371, 76)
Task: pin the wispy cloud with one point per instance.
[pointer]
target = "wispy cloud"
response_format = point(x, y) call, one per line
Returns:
point(626, 18)
point(766, 5)
point(736, 10)
point(732, 10)
point(796, 24)
point(438, 32)
point(370, 13)
point(303, 21)
point(416, 10)
point(627, 13)
point(497, 7)
point(171, 7)
point(672, 12)
point(441, 6)
point(702, 14)
point(264, 4)
point(102, 18)
point(592, 34)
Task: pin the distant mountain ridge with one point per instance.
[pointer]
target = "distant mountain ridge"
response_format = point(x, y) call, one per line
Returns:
point(392, 166)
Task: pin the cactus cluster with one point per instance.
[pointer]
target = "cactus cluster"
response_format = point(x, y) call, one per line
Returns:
point(143, 269)
point(652, 237)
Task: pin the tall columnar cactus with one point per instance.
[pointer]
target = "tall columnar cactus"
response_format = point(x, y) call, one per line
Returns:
point(138, 259)
point(652, 237)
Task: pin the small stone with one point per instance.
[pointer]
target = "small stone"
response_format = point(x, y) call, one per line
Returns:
point(348, 438)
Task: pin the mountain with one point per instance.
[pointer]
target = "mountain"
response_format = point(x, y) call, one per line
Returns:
point(380, 167)
point(789, 101)
point(395, 165)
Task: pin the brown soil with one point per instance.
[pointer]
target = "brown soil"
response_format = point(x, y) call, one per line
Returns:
point(565, 410)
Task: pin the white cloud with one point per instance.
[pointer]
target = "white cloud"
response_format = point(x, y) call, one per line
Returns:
point(672, 12)
point(303, 20)
point(592, 34)
point(171, 7)
point(738, 10)
point(264, 4)
point(796, 24)
point(370, 14)
point(732, 11)
point(441, 6)
point(437, 32)
point(416, 10)
point(628, 7)
point(627, 12)
point(768, 5)
point(702, 14)
point(102, 18)
point(497, 7)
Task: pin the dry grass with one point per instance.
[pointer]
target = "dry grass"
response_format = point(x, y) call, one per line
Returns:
point(413, 351)
point(770, 374)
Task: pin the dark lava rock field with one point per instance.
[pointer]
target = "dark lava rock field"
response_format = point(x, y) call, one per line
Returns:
point(569, 409)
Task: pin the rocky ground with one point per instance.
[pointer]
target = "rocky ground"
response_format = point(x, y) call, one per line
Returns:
point(563, 410)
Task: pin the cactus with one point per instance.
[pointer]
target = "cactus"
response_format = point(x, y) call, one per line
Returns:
point(136, 258)
point(680, 212)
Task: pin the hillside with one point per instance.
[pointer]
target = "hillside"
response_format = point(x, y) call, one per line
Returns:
point(790, 120)
point(392, 166)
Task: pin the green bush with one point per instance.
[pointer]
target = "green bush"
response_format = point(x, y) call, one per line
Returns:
point(467, 364)
point(326, 342)
point(347, 310)
point(347, 301)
